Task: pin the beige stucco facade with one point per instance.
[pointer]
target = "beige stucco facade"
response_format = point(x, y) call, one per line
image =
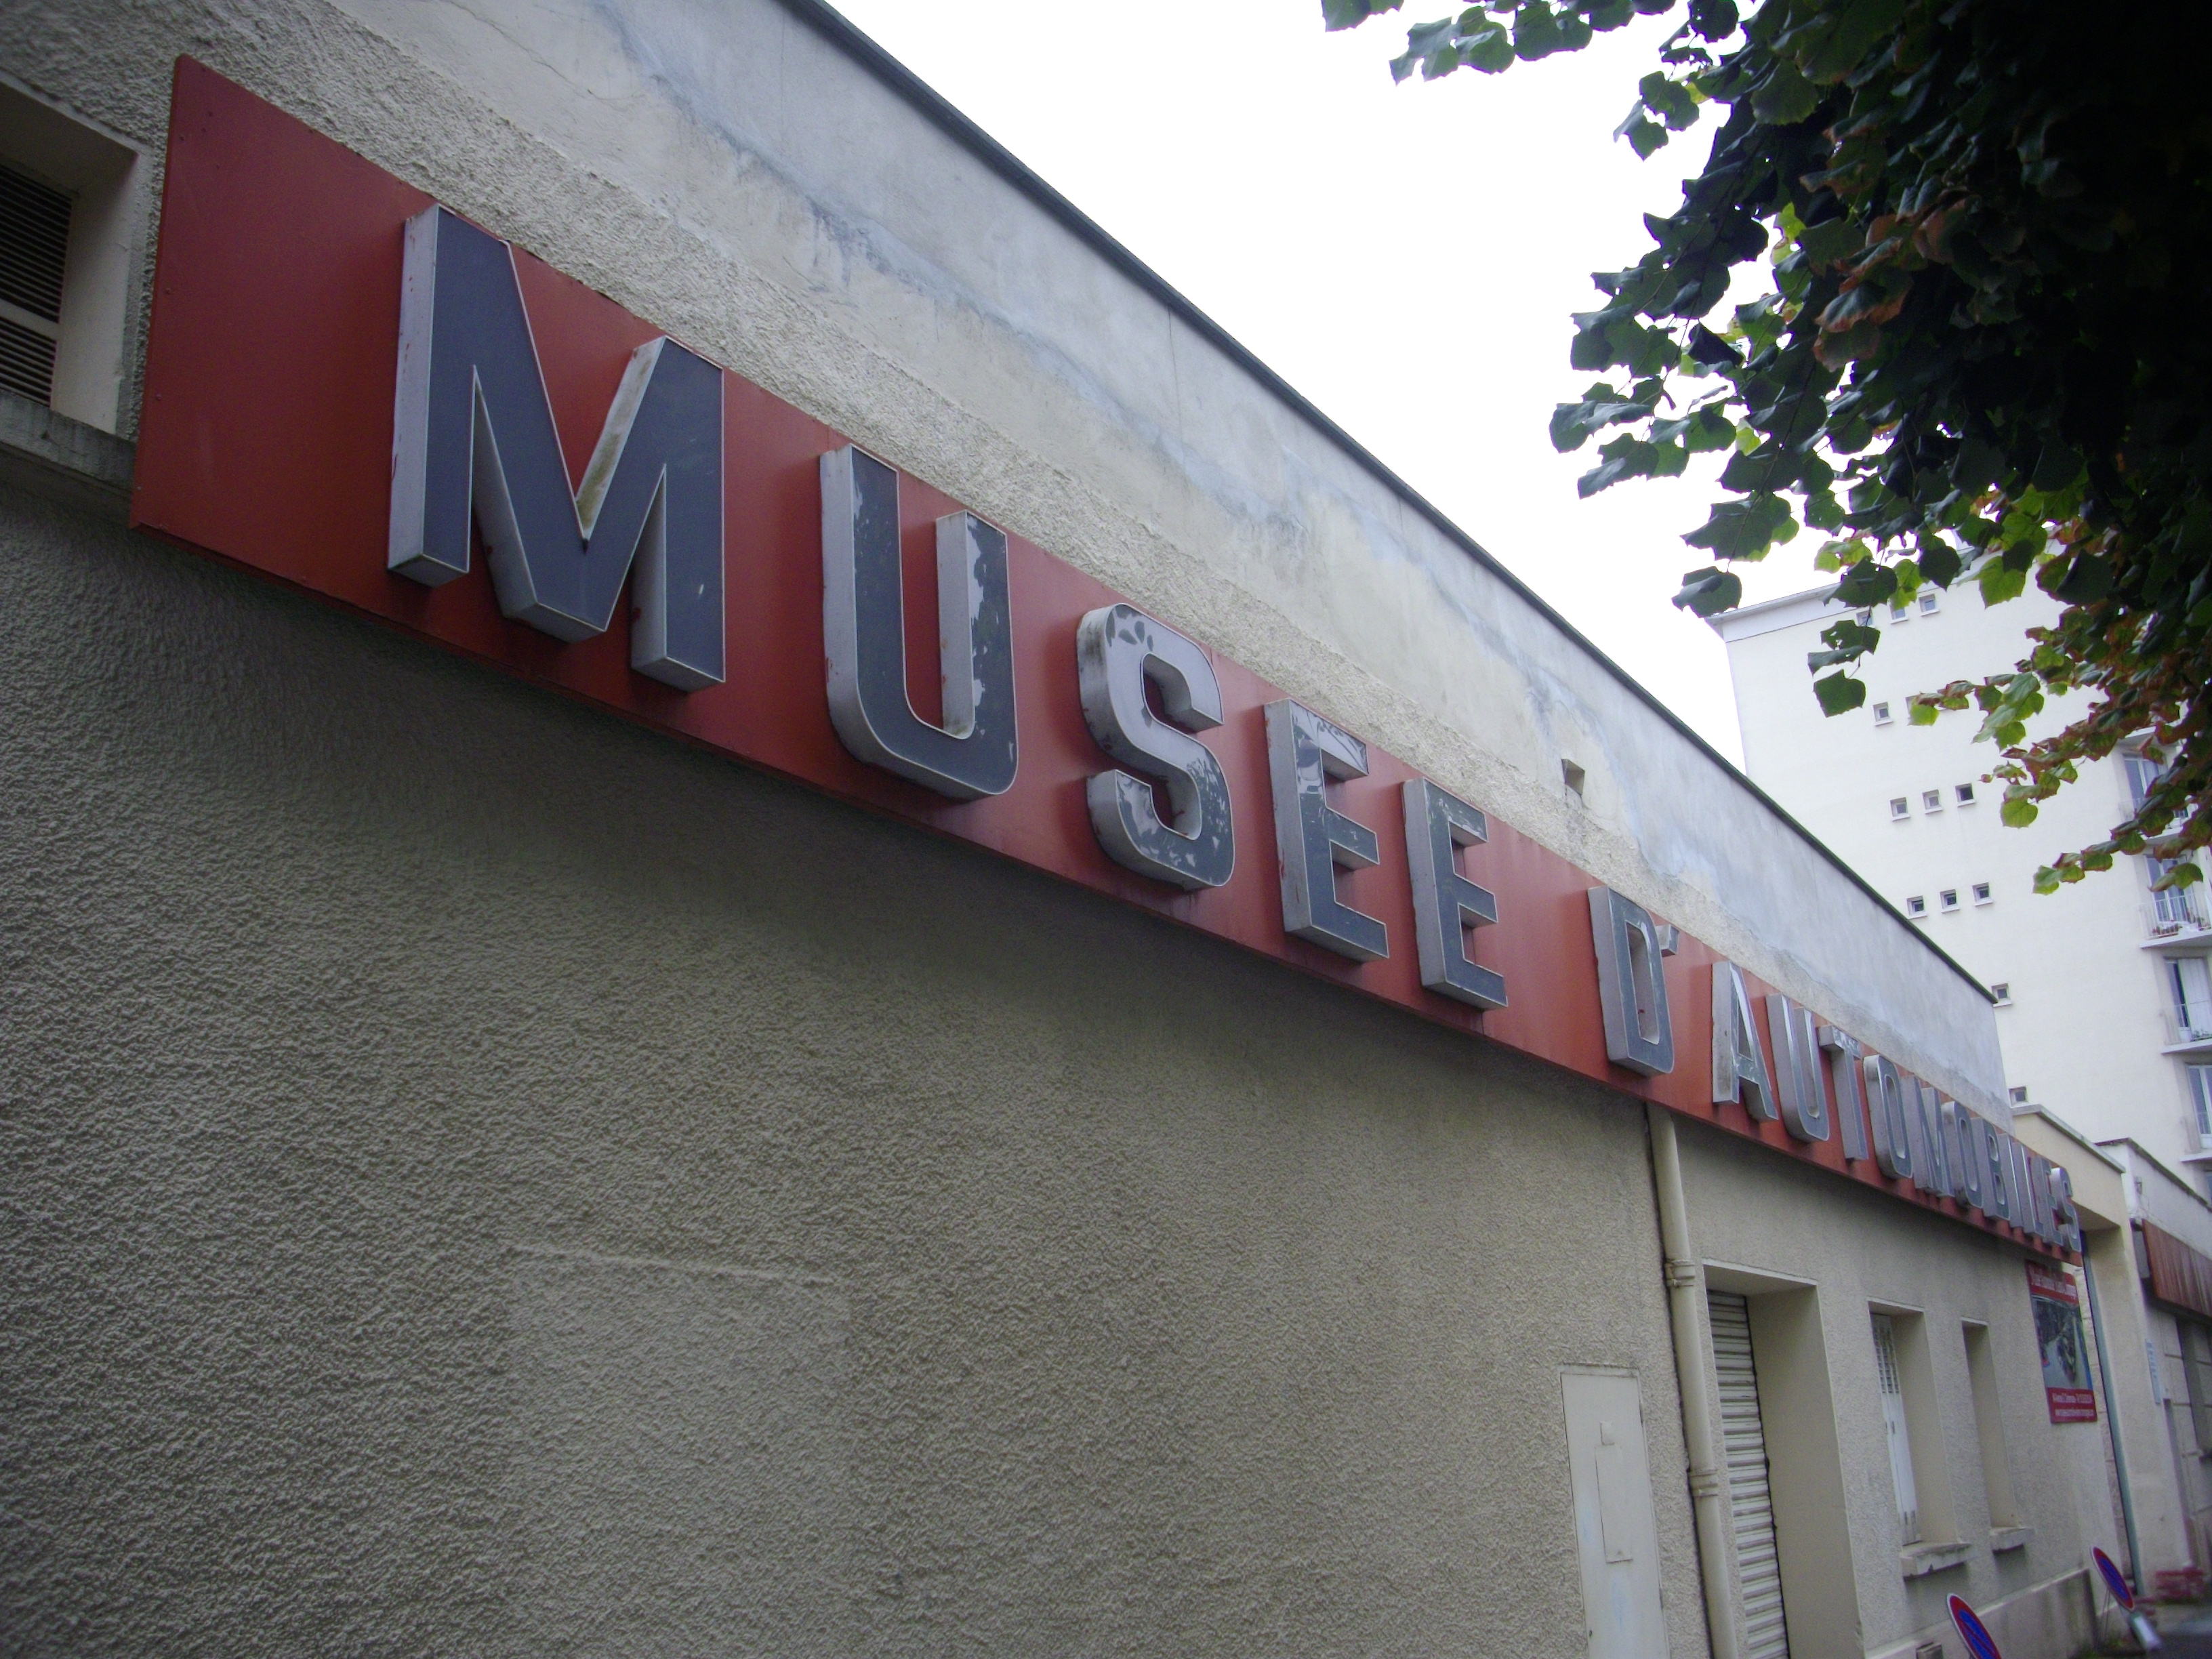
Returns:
point(486, 1178)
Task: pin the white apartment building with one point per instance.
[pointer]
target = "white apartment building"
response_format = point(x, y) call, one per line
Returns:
point(2104, 1001)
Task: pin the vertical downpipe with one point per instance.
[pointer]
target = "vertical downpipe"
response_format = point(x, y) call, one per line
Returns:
point(1700, 1431)
point(2112, 1418)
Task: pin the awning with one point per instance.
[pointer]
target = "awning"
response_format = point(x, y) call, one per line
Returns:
point(2179, 1274)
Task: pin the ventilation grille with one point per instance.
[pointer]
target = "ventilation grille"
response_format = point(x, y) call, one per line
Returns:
point(34, 223)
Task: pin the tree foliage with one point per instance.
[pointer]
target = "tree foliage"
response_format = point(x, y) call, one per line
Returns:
point(1980, 355)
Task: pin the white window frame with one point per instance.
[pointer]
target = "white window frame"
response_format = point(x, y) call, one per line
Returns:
point(1889, 1383)
point(1882, 716)
point(1983, 894)
point(1963, 793)
point(1946, 899)
point(2001, 995)
point(1900, 808)
point(105, 178)
point(1931, 800)
point(1916, 906)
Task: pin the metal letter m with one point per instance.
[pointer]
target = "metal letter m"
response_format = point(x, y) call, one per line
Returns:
point(473, 432)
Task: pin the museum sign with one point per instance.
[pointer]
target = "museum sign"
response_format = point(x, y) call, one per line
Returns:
point(356, 391)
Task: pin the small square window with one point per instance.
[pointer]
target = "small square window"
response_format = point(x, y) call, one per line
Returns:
point(1931, 800)
point(1863, 617)
point(1948, 898)
point(1915, 906)
point(1928, 603)
point(2001, 995)
point(2019, 1096)
point(1900, 807)
point(1881, 714)
point(1900, 612)
point(1964, 794)
point(1981, 892)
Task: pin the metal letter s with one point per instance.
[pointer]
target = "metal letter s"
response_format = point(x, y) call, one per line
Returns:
point(1446, 904)
point(864, 634)
point(1305, 751)
point(1738, 1064)
point(1118, 649)
point(1804, 1096)
point(2040, 1221)
point(473, 432)
point(1632, 984)
point(2063, 1209)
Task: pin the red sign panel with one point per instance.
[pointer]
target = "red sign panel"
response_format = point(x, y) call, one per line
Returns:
point(267, 442)
point(2057, 1307)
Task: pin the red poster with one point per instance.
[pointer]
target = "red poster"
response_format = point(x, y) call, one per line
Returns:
point(2057, 1307)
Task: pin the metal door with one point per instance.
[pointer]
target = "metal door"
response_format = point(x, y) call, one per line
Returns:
point(1616, 1530)
point(1751, 1502)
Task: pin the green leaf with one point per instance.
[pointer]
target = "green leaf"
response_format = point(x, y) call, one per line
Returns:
point(1978, 466)
point(1536, 32)
point(1351, 13)
point(1670, 100)
point(1920, 711)
point(1708, 592)
point(2085, 579)
point(1708, 429)
point(1601, 406)
point(2056, 468)
point(1838, 693)
point(1785, 97)
point(2017, 815)
point(1744, 529)
point(1866, 585)
point(1768, 467)
point(1645, 138)
point(1837, 238)
point(1999, 581)
point(1487, 47)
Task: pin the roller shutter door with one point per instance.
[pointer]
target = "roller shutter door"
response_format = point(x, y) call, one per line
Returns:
point(1751, 1507)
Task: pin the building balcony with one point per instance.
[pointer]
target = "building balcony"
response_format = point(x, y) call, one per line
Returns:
point(2189, 1031)
point(2177, 928)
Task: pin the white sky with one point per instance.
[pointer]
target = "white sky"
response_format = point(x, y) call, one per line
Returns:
point(1405, 256)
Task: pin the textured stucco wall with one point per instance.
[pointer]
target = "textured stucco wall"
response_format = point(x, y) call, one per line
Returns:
point(719, 167)
point(1857, 1251)
point(483, 1178)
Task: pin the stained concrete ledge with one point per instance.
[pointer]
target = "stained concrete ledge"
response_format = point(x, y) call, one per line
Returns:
point(64, 460)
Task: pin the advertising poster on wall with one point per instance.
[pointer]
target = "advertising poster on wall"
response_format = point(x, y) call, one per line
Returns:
point(2058, 1337)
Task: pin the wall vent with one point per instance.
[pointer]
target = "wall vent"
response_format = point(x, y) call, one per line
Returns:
point(34, 223)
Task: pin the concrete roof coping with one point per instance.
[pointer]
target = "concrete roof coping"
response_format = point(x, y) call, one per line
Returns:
point(1769, 615)
point(834, 27)
point(2180, 1184)
point(2072, 1134)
